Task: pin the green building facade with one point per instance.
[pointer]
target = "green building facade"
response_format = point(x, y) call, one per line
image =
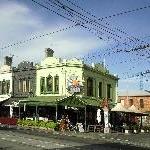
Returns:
point(61, 77)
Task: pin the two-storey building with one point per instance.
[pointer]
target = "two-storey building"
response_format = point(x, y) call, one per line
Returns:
point(6, 85)
point(56, 76)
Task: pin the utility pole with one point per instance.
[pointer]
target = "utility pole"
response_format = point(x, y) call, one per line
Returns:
point(141, 81)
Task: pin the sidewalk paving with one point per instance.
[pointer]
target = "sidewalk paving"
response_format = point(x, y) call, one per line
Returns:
point(139, 140)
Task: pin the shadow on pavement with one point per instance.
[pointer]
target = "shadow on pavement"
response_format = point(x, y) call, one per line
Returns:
point(103, 146)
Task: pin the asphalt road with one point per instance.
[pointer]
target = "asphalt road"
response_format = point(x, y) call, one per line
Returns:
point(14, 140)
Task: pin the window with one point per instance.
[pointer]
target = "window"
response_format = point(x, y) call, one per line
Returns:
point(56, 84)
point(42, 84)
point(19, 86)
point(49, 82)
point(130, 102)
point(24, 86)
point(100, 89)
point(141, 103)
point(28, 85)
point(0, 87)
point(89, 87)
point(108, 90)
point(122, 102)
point(7, 86)
point(3, 87)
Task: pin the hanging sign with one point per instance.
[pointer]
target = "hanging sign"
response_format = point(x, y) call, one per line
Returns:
point(74, 85)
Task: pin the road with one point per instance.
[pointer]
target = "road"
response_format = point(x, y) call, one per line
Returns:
point(13, 140)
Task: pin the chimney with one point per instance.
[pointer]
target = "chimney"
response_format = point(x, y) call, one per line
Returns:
point(93, 65)
point(8, 60)
point(49, 52)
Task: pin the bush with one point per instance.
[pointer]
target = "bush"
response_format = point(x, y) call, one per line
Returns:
point(135, 127)
point(145, 128)
point(44, 124)
point(51, 124)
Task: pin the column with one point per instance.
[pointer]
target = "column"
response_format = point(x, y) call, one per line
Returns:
point(11, 111)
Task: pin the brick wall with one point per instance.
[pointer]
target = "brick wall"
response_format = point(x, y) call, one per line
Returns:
point(126, 101)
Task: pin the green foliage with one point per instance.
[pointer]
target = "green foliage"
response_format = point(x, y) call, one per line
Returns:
point(135, 127)
point(145, 128)
point(50, 124)
point(30, 123)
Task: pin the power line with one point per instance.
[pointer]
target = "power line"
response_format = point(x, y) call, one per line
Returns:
point(124, 12)
point(37, 37)
point(85, 20)
point(114, 15)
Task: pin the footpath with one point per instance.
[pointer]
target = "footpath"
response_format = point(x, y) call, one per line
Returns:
point(138, 140)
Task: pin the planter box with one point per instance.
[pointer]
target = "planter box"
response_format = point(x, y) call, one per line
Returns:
point(142, 131)
point(135, 131)
point(147, 131)
point(127, 131)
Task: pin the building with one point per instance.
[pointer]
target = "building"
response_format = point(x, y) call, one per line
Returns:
point(6, 83)
point(56, 79)
point(24, 80)
point(141, 99)
point(16, 83)
point(61, 77)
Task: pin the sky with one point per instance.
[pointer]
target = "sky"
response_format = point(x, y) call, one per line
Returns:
point(82, 29)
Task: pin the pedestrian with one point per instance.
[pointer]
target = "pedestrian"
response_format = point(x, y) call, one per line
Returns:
point(67, 122)
point(62, 123)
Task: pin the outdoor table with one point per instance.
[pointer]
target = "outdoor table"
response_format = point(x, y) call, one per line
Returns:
point(91, 128)
point(94, 128)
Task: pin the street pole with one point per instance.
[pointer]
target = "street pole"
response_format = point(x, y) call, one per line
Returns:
point(85, 119)
point(106, 120)
point(56, 112)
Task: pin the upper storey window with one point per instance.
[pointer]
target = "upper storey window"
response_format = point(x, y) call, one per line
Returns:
point(42, 84)
point(5, 86)
point(56, 84)
point(108, 90)
point(89, 87)
point(49, 82)
point(100, 89)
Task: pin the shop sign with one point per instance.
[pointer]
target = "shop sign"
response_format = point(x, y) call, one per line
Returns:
point(74, 85)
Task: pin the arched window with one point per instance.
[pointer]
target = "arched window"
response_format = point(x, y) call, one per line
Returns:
point(56, 84)
point(89, 87)
point(24, 85)
point(49, 84)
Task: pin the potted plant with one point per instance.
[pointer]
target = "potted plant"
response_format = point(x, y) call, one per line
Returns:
point(135, 128)
point(145, 129)
point(142, 129)
point(127, 129)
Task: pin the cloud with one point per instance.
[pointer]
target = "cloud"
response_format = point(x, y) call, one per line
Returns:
point(19, 24)
point(16, 21)
point(128, 81)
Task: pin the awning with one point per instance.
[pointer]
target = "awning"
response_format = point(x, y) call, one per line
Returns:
point(14, 101)
point(41, 100)
point(120, 108)
point(3, 98)
point(77, 101)
point(72, 101)
point(134, 109)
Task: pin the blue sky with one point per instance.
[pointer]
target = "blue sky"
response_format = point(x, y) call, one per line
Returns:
point(21, 20)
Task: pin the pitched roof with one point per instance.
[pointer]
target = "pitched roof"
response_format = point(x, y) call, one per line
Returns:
point(120, 108)
point(134, 93)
